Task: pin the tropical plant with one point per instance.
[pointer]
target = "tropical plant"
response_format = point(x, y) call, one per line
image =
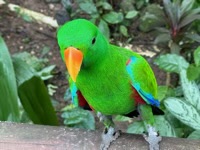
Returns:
point(185, 107)
point(19, 81)
point(102, 13)
point(173, 23)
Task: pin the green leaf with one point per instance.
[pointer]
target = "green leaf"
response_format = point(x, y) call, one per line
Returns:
point(123, 30)
point(197, 56)
point(190, 90)
point(175, 48)
point(164, 127)
point(161, 124)
point(172, 11)
point(193, 72)
point(137, 127)
point(183, 111)
point(189, 19)
point(88, 7)
point(103, 26)
point(186, 5)
point(33, 94)
point(113, 17)
point(171, 63)
point(105, 5)
point(193, 36)
point(162, 92)
point(78, 118)
point(131, 14)
point(122, 118)
point(153, 17)
point(162, 38)
point(8, 100)
point(194, 135)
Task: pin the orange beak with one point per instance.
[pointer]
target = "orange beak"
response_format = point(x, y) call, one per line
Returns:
point(73, 60)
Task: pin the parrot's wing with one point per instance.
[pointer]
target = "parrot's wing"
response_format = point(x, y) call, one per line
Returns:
point(143, 80)
point(77, 97)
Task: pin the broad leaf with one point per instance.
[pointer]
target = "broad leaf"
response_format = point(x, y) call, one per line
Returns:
point(197, 56)
point(183, 111)
point(33, 94)
point(161, 124)
point(105, 5)
point(162, 38)
point(9, 109)
point(194, 135)
point(171, 63)
point(113, 17)
point(193, 72)
point(137, 127)
point(190, 90)
point(103, 26)
point(123, 30)
point(88, 7)
point(131, 14)
point(78, 118)
point(162, 92)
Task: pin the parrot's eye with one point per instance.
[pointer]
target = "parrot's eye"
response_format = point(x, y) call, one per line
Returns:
point(93, 40)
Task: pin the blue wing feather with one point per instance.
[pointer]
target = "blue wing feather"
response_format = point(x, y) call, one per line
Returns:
point(147, 97)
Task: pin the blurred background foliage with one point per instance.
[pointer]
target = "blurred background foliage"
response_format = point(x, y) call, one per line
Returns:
point(173, 25)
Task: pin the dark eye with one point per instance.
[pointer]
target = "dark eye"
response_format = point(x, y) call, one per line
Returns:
point(93, 40)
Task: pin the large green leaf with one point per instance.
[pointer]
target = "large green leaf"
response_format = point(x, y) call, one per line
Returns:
point(190, 90)
point(103, 26)
point(9, 109)
point(161, 124)
point(171, 63)
point(33, 94)
point(183, 111)
point(195, 135)
point(113, 17)
point(162, 38)
point(78, 118)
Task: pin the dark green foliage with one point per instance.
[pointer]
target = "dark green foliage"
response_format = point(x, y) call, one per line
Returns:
point(8, 88)
point(186, 107)
point(173, 23)
point(107, 15)
point(30, 90)
point(193, 71)
point(78, 118)
point(34, 97)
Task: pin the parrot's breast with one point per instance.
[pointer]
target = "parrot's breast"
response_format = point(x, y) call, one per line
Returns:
point(107, 88)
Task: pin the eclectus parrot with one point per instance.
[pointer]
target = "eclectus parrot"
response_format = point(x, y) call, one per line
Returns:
point(109, 79)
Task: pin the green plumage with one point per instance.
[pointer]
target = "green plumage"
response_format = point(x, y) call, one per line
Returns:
point(103, 79)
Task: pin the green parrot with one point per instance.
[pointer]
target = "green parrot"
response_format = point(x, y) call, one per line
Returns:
point(109, 79)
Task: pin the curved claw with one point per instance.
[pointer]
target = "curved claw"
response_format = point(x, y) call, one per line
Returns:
point(153, 138)
point(109, 135)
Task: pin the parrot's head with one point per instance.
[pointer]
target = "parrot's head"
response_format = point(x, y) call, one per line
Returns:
point(81, 45)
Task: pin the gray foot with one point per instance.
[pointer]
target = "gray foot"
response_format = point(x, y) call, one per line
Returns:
point(152, 138)
point(109, 135)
